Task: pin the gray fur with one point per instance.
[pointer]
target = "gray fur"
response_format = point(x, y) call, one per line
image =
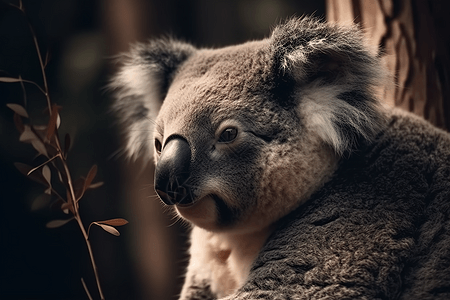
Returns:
point(355, 199)
point(378, 230)
point(141, 85)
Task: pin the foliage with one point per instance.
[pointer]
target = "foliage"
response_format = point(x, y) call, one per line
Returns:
point(46, 141)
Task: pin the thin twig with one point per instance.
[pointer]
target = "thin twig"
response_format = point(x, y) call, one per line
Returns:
point(91, 255)
point(76, 214)
point(41, 165)
point(44, 77)
point(83, 231)
point(38, 51)
point(86, 289)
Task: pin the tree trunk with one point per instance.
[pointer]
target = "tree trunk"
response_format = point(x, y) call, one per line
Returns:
point(413, 37)
point(153, 243)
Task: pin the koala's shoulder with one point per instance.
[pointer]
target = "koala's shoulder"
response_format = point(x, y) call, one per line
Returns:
point(377, 193)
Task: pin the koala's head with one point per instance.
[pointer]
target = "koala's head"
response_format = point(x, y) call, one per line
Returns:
point(243, 135)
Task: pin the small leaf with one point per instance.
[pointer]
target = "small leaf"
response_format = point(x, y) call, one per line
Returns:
point(10, 79)
point(96, 185)
point(52, 123)
point(66, 207)
point(28, 135)
point(40, 202)
point(23, 168)
point(60, 177)
point(18, 109)
point(40, 128)
point(108, 228)
point(36, 176)
point(39, 147)
point(57, 223)
point(90, 176)
point(78, 186)
point(47, 174)
point(57, 204)
point(18, 122)
point(58, 121)
point(114, 222)
point(48, 191)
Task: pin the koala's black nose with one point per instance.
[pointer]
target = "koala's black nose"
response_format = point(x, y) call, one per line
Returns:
point(172, 172)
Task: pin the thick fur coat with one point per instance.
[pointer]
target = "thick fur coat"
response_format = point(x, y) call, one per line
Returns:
point(298, 185)
point(379, 229)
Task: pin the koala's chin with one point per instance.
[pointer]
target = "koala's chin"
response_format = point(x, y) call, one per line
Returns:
point(202, 213)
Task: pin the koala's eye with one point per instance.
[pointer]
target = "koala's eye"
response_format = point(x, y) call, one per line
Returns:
point(158, 146)
point(228, 135)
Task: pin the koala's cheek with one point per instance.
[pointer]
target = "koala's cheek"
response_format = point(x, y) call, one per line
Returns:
point(203, 213)
point(289, 180)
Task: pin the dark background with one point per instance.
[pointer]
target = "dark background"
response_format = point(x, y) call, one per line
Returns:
point(81, 37)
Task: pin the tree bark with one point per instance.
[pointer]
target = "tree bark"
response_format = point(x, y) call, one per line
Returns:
point(413, 38)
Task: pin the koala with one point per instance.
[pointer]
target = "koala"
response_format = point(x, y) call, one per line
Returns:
point(297, 182)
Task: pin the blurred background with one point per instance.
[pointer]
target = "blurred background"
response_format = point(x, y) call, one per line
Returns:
point(81, 38)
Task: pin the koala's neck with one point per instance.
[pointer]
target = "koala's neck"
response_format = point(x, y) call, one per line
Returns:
point(244, 249)
point(229, 256)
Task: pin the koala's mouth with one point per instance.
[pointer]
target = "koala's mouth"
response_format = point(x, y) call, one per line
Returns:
point(187, 204)
point(213, 197)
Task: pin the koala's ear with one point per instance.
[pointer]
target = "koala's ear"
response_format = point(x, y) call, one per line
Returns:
point(140, 87)
point(334, 76)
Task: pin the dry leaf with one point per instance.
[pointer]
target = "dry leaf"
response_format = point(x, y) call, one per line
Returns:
point(57, 223)
point(18, 122)
point(81, 184)
point(9, 79)
point(36, 176)
point(40, 202)
point(39, 147)
point(66, 207)
point(108, 228)
point(90, 176)
point(96, 185)
point(23, 168)
point(78, 186)
point(58, 121)
point(114, 222)
point(18, 109)
point(60, 176)
point(52, 123)
point(28, 136)
point(47, 174)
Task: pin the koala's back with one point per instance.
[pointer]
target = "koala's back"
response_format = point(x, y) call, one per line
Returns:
point(378, 230)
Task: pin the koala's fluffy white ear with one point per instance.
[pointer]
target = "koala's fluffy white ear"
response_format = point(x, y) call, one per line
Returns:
point(140, 87)
point(334, 75)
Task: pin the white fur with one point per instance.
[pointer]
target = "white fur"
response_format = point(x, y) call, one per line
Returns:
point(321, 109)
point(222, 259)
point(139, 82)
